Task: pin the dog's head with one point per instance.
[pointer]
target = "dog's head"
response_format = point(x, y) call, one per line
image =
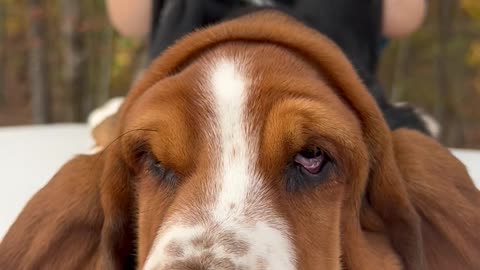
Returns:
point(248, 145)
point(243, 157)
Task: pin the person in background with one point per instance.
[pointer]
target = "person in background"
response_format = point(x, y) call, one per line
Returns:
point(359, 27)
point(400, 17)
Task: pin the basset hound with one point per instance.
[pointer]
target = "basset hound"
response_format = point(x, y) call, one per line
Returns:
point(252, 144)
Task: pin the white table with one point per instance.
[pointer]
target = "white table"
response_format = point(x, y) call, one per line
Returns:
point(30, 156)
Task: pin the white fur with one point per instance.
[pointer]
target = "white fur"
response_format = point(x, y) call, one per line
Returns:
point(235, 172)
point(234, 184)
point(98, 115)
point(236, 177)
point(94, 150)
point(430, 123)
point(158, 258)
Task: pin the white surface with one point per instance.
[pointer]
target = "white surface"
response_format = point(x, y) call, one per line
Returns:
point(30, 156)
point(471, 159)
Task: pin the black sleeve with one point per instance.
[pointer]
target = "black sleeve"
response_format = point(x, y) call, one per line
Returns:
point(172, 19)
point(156, 8)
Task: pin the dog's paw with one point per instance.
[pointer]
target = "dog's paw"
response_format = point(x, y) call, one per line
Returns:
point(102, 122)
point(402, 114)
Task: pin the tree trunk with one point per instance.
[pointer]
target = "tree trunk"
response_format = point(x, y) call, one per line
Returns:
point(401, 64)
point(37, 71)
point(3, 51)
point(102, 94)
point(72, 58)
point(94, 48)
point(445, 104)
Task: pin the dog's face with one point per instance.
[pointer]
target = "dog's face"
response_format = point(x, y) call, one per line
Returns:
point(242, 161)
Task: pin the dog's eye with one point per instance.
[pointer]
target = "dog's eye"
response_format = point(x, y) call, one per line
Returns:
point(312, 160)
point(159, 171)
point(309, 168)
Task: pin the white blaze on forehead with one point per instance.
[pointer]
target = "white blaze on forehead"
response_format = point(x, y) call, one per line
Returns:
point(234, 184)
point(235, 174)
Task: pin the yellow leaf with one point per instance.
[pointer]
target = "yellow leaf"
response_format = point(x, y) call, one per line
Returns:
point(473, 54)
point(472, 8)
point(476, 85)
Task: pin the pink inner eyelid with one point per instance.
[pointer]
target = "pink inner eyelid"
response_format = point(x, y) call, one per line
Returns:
point(312, 165)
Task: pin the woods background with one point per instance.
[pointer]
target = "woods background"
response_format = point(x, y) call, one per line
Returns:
point(59, 59)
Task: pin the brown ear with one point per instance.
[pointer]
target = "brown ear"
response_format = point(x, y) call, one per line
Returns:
point(388, 211)
point(443, 196)
point(446, 199)
point(77, 221)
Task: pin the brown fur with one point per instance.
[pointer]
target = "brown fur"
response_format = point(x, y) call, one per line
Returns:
point(446, 199)
point(66, 224)
point(397, 200)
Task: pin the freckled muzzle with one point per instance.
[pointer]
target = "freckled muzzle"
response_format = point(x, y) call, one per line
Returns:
point(256, 246)
point(210, 249)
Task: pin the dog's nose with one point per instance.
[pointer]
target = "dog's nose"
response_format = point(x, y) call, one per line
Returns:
point(247, 247)
point(211, 249)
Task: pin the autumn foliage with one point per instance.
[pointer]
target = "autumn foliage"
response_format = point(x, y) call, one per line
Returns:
point(60, 59)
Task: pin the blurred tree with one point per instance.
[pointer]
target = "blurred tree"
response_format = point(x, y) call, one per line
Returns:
point(68, 51)
point(430, 69)
point(472, 7)
point(76, 49)
point(73, 58)
point(445, 103)
point(37, 73)
point(2, 51)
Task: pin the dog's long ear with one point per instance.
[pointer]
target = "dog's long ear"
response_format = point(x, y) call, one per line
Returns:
point(79, 220)
point(446, 199)
point(443, 195)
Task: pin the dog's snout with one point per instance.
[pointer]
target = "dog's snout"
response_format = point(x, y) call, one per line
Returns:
point(221, 246)
point(210, 248)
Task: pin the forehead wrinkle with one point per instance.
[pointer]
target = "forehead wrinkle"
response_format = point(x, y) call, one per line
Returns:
point(328, 117)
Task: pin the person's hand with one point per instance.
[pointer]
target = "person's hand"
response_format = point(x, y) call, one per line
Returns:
point(130, 18)
point(402, 17)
